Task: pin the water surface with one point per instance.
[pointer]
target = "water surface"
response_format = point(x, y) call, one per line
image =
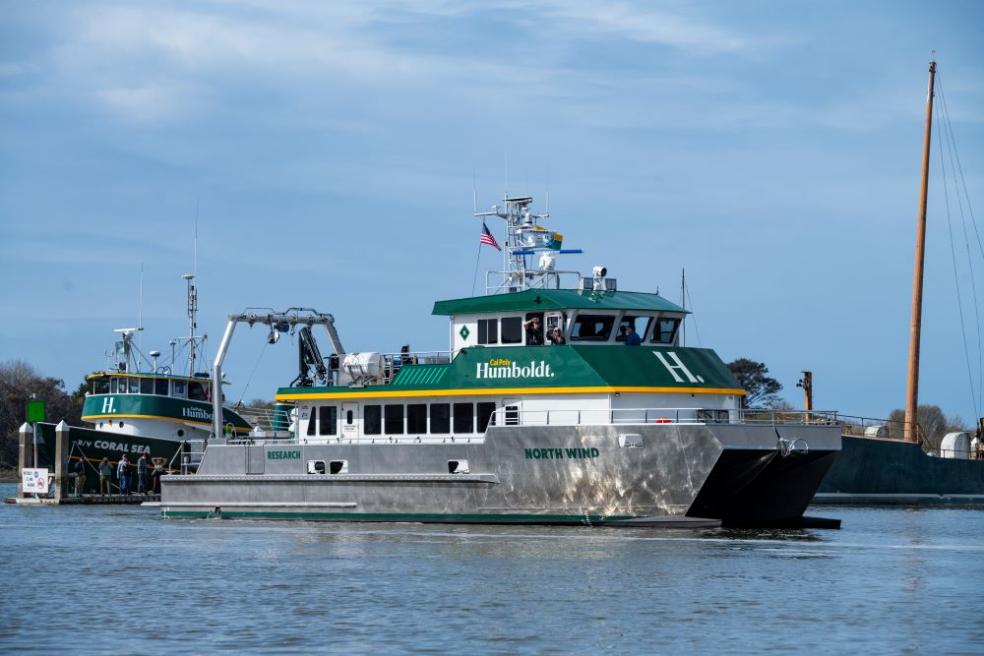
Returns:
point(122, 580)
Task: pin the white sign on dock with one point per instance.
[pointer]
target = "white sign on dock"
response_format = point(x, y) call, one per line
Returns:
point(35, 481)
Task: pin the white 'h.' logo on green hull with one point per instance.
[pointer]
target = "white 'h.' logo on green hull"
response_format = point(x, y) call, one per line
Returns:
point(108, 405)
point(677, 367)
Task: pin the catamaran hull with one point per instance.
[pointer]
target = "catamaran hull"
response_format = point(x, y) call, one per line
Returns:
point(734, 474)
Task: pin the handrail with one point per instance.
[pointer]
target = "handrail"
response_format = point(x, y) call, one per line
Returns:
point(514, 416)
point(267, 419)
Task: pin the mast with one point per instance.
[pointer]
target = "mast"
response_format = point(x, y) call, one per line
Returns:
point(683, 304)
point(525, 238)
point(912, 382)
point(192, 320)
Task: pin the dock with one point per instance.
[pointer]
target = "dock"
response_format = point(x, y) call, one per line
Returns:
point(47, 477)
point(85, 500)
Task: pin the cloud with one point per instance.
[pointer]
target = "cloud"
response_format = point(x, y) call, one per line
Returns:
point(152, 63)
point(667, 25)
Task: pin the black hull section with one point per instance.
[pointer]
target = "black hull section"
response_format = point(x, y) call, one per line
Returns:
point(871, 467)
point(762, 488)
point(92, 446)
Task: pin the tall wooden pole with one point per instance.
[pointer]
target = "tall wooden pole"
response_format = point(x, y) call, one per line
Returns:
point(912, 382)
point(806, 382)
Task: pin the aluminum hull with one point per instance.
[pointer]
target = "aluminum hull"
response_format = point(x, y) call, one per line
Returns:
point(522, 474)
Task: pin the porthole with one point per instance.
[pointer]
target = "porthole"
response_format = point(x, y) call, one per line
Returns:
point(121, 424)
point(181, 433)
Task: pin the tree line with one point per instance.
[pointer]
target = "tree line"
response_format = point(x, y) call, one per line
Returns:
point(20, 382)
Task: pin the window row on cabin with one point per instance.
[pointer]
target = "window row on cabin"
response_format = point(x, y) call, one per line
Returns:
point(194, 390)
point(407, 419)
point(585, 328)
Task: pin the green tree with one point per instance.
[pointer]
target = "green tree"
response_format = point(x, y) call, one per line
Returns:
point(933, 425)
point(19, 382)
point(762, 390)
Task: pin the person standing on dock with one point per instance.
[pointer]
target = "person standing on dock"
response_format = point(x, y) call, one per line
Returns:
point(80, 476)
point(142, 474)
point(105, 473)
point(123, 473)
point(156, 475)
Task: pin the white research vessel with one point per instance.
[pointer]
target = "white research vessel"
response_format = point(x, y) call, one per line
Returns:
point(553, 405)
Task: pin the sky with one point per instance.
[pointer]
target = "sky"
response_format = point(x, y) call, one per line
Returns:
point(330, 154)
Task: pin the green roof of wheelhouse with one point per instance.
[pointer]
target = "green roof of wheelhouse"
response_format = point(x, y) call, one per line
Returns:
point(533, 300)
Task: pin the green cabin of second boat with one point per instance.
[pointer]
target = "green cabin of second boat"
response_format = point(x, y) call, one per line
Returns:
point(117, 400)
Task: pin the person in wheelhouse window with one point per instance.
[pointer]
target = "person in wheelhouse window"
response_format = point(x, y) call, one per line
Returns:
point(534, 329)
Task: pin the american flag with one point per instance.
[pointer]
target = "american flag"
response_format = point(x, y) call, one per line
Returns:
point(488, 238)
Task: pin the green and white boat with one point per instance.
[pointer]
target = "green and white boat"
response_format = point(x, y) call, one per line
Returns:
point(137, 406)
point(555, 404)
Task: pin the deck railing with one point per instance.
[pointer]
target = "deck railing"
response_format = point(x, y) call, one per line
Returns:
point(275, 425)
point(267, 421)
point(393, 362)
point(513, 416)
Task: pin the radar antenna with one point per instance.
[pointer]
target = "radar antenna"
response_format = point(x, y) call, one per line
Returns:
point(194, 341)
point(525, 237)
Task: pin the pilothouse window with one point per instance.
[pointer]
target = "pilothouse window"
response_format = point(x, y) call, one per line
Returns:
point(639, 324)
point(512, 330)
point(160, 386)
point(196, 392)
point(592, 327)
point(534, 329)
point(488, 331)
point(146, 385)
point(665, 331)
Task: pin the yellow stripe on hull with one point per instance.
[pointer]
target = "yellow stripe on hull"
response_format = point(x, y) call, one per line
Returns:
point(510, 391)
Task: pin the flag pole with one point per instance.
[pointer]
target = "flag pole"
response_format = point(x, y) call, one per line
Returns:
point(478, 256)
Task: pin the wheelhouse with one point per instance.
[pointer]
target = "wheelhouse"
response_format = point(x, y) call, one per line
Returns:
point(179, 387)
point(538, 317)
